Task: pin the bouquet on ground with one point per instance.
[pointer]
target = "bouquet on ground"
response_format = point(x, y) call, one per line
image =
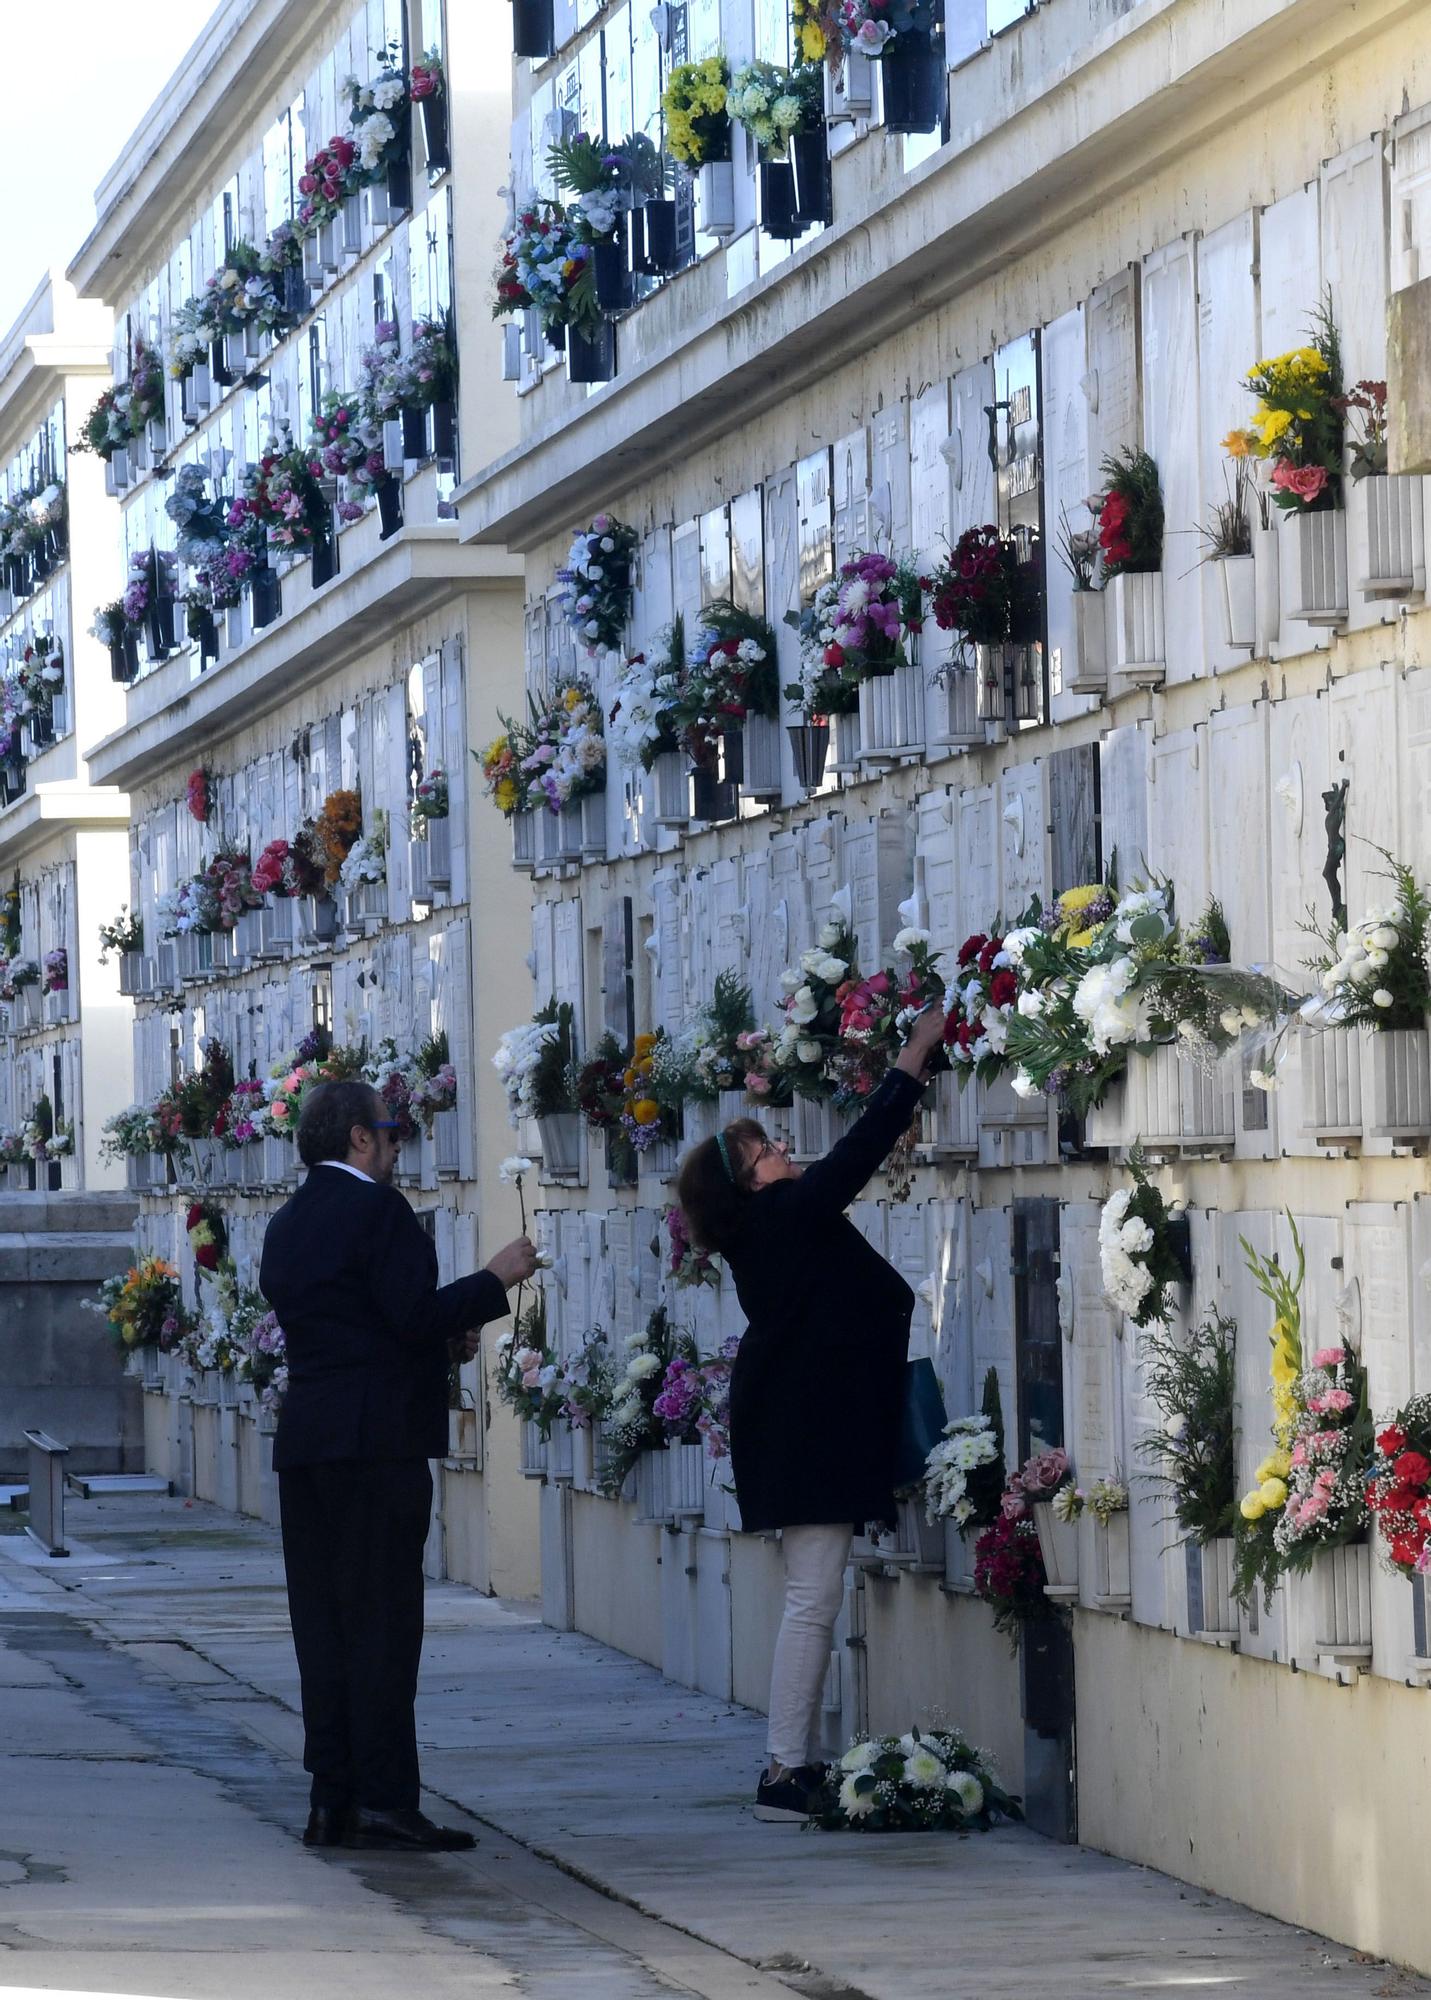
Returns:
point(1298, 427)
point(567, 757)
point(1138, 1251)
point(1193, 1389)
point(632, 1426)
point(924, 1781)
point(986, 591)
point(643, 723)
point(1374, 974)
point(1398, 1490)
point(596, 582)
point(733, 672)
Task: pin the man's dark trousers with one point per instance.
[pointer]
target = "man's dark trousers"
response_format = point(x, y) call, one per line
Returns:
point(353, 1537)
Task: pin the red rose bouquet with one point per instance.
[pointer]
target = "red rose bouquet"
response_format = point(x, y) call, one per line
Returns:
point(1009, 1573)
point(1398, 1493)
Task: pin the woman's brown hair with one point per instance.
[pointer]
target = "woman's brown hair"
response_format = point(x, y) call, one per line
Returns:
point(713, 1199)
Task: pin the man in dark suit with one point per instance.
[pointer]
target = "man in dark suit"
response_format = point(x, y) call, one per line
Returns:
point(370, 1337)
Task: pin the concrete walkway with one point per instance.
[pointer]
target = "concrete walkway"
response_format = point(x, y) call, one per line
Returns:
point(150, 1793)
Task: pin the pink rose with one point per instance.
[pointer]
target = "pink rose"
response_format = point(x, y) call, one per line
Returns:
point(1307, 482)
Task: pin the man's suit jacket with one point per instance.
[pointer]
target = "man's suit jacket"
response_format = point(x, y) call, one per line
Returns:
point(352, 1276)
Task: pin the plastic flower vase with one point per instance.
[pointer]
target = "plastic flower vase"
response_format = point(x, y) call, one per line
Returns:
point(560, 1144)
point(1058, 1545)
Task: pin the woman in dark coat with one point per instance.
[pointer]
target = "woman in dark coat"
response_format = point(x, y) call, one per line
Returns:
point(817, 1390)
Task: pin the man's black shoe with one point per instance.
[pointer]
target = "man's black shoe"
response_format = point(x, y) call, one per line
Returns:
point(325, 1826)
point(403, 1829)
point(792, 1797)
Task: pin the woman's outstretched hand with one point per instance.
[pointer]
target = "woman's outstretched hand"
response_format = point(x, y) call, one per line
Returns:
point(924, 1037)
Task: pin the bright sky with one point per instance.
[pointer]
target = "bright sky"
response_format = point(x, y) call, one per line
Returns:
point(76, 89)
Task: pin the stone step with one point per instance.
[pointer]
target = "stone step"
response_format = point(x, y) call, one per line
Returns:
point(91, 1212)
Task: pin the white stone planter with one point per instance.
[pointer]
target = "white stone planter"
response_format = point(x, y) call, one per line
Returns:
point(532, 1461)
point(194, 954)
point(166, 966)
point(659, 1162)
point(1058, 1545)
point(1212, 1610)
point(558, 836)
point(685, 1481)
point(762, 758)
point(702, 1121)
point(524, 841)
point(1317, 551)
point(845, 739)
point(365, 903)
point(277, 927)
point(418, 869)
point(722, 1512)
point(1112, 1564)
point(439, 853)
point(30, 1004)
point(1341, 1582)
point(447, 1141)
point(279, 1161)
point(1267, 560)
point(1331, 1086)
point(1399, 1085)
point(919, 1538)
point(671, 785)
point(248, 935)
point(715, 198)
point(730, 1105)
point(1395, 538)
point(593, 826)
point(1153, 1098)
point(651, 1486)
point(892, 716)
point(561, 1143)
point(1136, 647)
point(57, 1007)
point(959, 1546)
point(136, 973)
point(1004, 1110)
point(1090, 644)
point(1237, 594)
point(561, 1457)
point(206, 1157)
point(1207, 1101)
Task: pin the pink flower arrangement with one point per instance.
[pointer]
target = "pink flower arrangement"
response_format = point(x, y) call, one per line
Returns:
point(1039, 1479)
point(1306, 482)
point(426, 79)
point(230, 881)
point(327, 176)
point(57, 970)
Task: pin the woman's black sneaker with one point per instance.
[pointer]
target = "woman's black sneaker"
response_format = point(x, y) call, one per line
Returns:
point(791, 1797)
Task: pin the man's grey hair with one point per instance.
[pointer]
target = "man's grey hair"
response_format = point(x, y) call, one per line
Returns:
point(330, 1111)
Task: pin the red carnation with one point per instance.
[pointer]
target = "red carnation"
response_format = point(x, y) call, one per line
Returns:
point(834, 656)
point(989, 954)
point(1412, 1469)
point(952, 1024)
point(1003, 988)
point(1390, 1441)
point(971, 947)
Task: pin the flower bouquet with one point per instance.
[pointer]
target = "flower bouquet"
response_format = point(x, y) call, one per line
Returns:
point(125, 934)
point(377, 116)
point(1258, 1557)
point(1130, 514)
point(257, 1334)
point(338, 825)
point(526, 1371)
point(328, 175)
point(686, 1263)
point(143, 1305)
point(1009, 1572)
point(1298, 425)
point(829, 683)
point(1138, 1250)
point(286, 868)
point(1374, 974)
point(653, 1085)
point(970, 1445)
point(532, 1062)
point(925, 1781)
point(773, 103)
point(1193, 1388)
point(430, 799)
point(732, 674)
point(504, 779)
point(985, 592)
point(566, 757)
point(984, 992)
point(643, 722)
point(1398, 1491)
point(597, 582)
point(813, 1008)
point(546, 267)
point(694, 104)
point(632, 1425)
point(57, 970)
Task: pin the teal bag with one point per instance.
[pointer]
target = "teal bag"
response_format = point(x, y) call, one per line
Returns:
point(922, 1424)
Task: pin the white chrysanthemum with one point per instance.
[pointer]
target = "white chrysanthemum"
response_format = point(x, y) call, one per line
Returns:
point(967, 1789)
point(859, 1757)
point(856, 1804)
point(923, 1769)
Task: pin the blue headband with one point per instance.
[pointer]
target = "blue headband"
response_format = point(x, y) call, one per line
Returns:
point(725, 1158)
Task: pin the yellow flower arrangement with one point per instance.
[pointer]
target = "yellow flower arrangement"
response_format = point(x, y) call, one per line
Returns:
point(1297, 424)
point(809, 26)
point(697, 123)
point(1268, 1495)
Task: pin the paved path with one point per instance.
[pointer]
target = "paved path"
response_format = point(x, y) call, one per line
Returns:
point(150, 1790)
